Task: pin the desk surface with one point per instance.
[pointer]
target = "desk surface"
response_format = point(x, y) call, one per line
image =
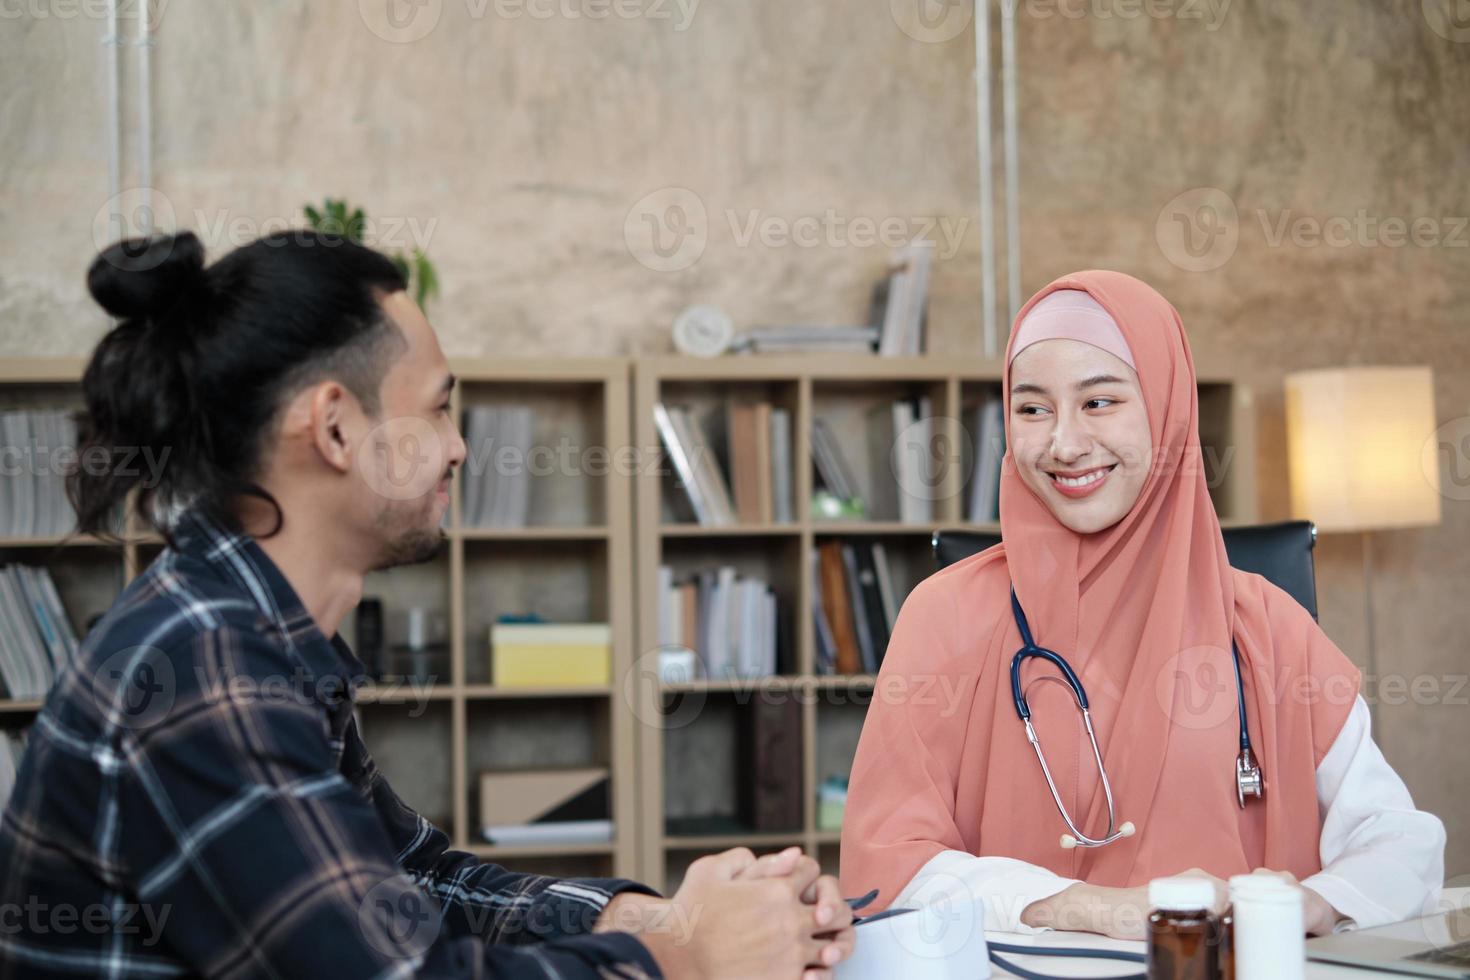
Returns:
point(1062, 966)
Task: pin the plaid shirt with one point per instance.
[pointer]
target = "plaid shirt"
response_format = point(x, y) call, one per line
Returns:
point(195, 800)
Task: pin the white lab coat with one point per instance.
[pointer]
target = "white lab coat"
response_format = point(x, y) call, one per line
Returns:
point(1382, 860)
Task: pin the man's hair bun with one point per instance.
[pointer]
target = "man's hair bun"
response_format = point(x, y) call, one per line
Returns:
point(144, 277)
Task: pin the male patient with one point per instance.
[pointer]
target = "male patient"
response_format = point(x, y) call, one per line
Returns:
point(195, 798)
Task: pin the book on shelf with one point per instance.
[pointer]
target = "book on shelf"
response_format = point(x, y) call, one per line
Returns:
point(561, 833)
point(695, 468)
point(546, 807)
point(862, 629)
point(754, 439)
point(39, 445)
point(770, 765)
point(837, 603)
point(870, 611)
point(901, 301)
point(826, 652)
point(900, 460)
point(833, 471)
point(550, 654)
point(887, 598)
point(497, 476)
point(748, 425)
point(782, 474)
point(730, 621)
point(808, 340)
point(854, 606)
point(987, 429)
point(766, 780)
point(36, 638)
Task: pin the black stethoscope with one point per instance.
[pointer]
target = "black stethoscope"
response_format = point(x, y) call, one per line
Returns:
point(1248, 778)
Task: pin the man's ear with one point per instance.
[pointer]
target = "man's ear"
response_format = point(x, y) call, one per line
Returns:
point(336, 424)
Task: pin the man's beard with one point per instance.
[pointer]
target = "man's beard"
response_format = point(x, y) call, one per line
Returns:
point(406, 543)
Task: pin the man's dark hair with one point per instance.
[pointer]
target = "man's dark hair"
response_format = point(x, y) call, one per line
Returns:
point(203, 359)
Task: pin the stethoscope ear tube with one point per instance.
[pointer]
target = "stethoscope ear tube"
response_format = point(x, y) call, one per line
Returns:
point(1030, 649)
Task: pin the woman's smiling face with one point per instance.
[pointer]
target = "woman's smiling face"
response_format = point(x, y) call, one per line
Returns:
point(1079, 432)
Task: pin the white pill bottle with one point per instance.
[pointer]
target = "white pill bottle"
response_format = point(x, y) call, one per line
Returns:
point(1269, 929)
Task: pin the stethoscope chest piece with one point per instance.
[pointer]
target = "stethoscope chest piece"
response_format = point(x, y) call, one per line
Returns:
point(1248, 778)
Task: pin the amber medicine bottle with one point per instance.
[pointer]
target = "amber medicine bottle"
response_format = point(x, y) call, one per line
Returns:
point(1182, 931)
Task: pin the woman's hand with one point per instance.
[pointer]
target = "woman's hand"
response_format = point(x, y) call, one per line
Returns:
point(1118, 912)
point(1318, 915)
point(1121, 913)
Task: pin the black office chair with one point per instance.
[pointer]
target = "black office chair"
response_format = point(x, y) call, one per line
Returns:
point(1282, 553)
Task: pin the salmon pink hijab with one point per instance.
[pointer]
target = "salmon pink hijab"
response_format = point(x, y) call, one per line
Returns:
point(1144, 611)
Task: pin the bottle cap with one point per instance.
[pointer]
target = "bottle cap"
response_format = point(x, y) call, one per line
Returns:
point(1263, 888)
point(1183, 894)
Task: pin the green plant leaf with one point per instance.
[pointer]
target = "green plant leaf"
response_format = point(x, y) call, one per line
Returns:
point(427, 277)
point(416, 268)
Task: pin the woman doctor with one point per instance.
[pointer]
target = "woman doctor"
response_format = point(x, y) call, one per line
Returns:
point(1114, 552)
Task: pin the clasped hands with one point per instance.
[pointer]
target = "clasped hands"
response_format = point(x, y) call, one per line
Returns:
point(736, 915)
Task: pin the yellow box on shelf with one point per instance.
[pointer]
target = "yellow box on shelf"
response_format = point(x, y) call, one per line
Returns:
point(550, 654)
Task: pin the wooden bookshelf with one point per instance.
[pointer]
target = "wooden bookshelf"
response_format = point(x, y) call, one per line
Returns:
point(841, 389)
point(89, 572)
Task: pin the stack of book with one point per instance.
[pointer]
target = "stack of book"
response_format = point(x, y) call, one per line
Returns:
point(902, 300)
point(38, 447)
point(755, 440)
point(36, 638)
point(808, 340)
point(497, 478)
point(12, 744)
point(854, 606)
point(901, 460)
point(545, 807)
point(987, 429)
point(730, 621)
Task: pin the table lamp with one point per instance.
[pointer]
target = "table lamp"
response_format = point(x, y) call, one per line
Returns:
point(1355, 441)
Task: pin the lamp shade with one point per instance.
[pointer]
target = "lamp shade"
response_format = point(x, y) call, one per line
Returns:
point(1354, 438)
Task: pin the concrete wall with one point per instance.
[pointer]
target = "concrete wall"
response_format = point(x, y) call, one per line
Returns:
point(533, 143)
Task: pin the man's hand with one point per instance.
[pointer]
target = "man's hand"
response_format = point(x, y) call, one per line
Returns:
point(735, 916)
point(832, 911)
